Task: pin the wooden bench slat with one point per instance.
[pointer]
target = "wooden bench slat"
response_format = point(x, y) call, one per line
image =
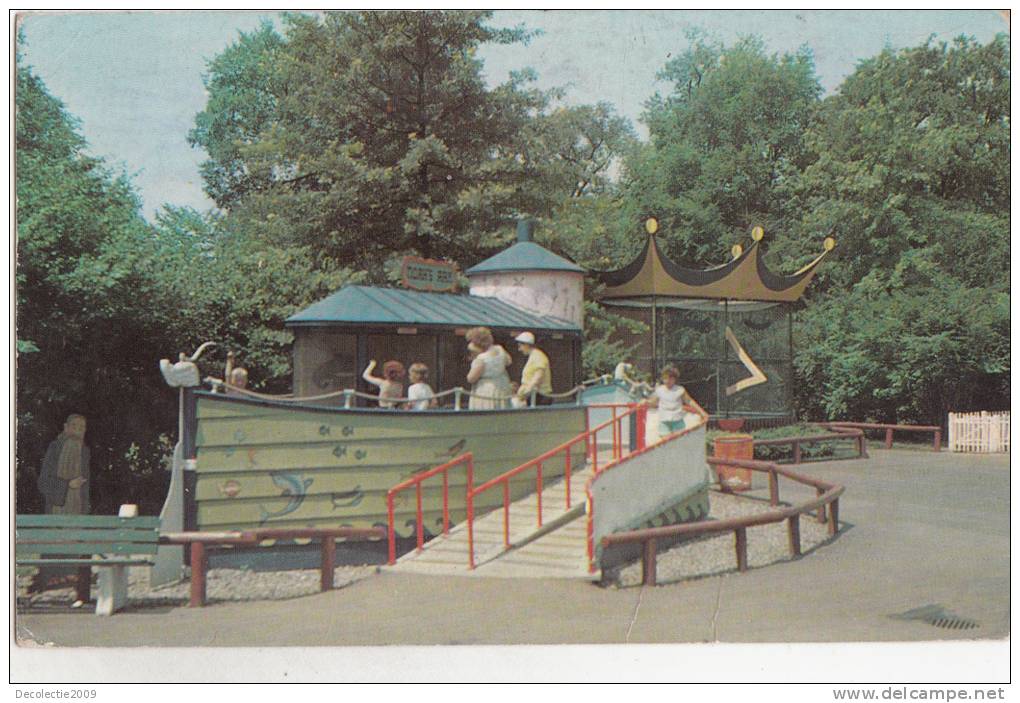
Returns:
point(63, 534)
point(88, 521)
point(73, 548)
point(90, 562)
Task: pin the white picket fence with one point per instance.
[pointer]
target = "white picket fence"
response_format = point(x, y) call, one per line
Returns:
point(979, 432)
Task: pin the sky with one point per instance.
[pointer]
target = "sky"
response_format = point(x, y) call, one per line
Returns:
point(134, 80)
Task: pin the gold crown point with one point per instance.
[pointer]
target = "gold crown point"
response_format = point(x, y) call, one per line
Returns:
point(651, 225)
point(829, 244)
point(758, 233)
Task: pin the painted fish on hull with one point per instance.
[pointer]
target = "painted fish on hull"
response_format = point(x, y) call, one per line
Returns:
point(293, 487)
point(347, 499)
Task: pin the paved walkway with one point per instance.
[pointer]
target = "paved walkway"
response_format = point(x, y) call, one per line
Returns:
point(919, 528)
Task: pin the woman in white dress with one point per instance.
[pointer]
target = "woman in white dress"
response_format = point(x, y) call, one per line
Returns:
point(490, 383)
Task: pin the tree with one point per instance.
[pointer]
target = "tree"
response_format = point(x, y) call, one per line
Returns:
point(910, 172)
point(723, 142)
point(86, 343)
point(378, 136)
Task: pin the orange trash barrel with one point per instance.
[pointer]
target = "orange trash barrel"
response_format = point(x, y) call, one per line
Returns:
point(733, 446)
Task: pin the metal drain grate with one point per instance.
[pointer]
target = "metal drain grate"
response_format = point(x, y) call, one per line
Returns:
point(938, 616)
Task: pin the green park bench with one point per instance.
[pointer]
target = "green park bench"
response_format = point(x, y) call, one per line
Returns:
point(106, 542)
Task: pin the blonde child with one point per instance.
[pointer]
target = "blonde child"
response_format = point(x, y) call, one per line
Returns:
point(420, 395)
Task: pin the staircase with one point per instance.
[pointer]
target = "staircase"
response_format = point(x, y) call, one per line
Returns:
point(558, 549)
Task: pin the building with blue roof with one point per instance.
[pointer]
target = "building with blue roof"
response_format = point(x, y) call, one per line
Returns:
point(338, 336)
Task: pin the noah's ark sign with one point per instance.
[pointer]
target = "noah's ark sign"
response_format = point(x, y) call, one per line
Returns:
point(428, 275)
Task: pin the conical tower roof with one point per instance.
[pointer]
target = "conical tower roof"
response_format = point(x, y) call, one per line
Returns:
point(525, 255)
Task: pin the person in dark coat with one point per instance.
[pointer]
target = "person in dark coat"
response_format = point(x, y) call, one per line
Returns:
point(64, 484)
point(64, 479)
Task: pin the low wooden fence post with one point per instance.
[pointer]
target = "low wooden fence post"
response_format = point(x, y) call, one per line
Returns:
point(741, 545)
point(648, 563)
point(796, 452)
point(834, 517)
point(328, 563)
point(793, 533)
point(888, 438)
point(773, 487)
point(821, 508)
point(198, 563)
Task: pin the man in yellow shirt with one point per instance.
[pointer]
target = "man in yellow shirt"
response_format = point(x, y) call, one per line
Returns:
point(536, 375)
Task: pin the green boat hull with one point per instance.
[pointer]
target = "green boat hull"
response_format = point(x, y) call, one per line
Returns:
point(277, 464)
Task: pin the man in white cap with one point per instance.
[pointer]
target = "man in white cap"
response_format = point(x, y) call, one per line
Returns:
point(536, 375)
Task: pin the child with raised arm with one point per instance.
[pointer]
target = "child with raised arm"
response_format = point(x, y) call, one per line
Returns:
point(391, 385)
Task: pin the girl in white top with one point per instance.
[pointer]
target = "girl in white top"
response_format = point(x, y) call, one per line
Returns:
point(490, 382)
point(420, 395)
point(669, 398)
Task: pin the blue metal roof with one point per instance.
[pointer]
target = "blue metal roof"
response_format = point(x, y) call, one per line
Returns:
point(524, 256)
point(367, 305)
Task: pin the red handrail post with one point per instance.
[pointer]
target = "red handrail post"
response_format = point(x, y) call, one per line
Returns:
point(391, 536)
point(506, 513)
point(446, 502)
point(419, 528)
point(590, 508)
point(640, 426)
point(566, 473)
point(538, 486)
point(616, 436)
point(471, 528)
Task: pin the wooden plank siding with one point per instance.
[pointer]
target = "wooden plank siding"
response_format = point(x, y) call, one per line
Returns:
point(267, 464)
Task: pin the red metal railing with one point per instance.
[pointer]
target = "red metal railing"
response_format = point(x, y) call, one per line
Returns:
point(416, 481)
point(590, 439)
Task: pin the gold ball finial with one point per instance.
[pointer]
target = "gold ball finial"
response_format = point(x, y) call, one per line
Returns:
point(651, 225)
point(829, 244)
point(758, 233)
point(736, 250)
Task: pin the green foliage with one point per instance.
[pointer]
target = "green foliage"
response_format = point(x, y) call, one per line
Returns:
point(910, 173)
point(358, 135)
point(722, 144)
point(86, 338)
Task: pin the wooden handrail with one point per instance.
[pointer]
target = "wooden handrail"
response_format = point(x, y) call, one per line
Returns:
point(838, 433)
point(828, 496)
point(326, 535)
point(888, 427)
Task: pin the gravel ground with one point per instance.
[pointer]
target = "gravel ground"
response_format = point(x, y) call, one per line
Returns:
point(221, 585)
point(766, 544)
